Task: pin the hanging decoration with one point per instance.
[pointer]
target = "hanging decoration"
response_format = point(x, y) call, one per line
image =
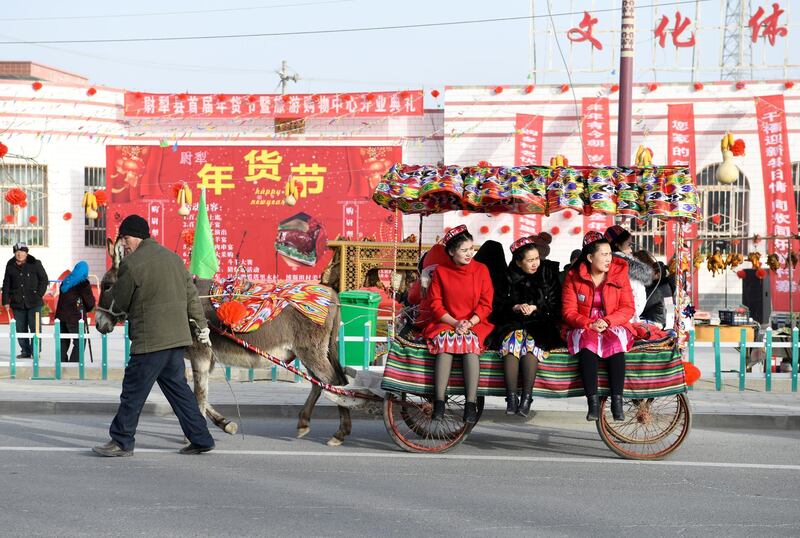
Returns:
point(67, 216)
point(505, 229)
point(102, 197)
point(644, 157)
point(755, 259)
point(231, 313)
point(33, 219)
point(292, 191)
point(183, 197)
point(484, 230)
point(741, 273)
point(89, 204)
point(761, 273)
point(727, 172)
point(788, 84)
point(564, 88)
point(529, 88)
point(734, 260)
point(187, 236)
point(435, 93)
point(691, 373)
point(3, 150)
point(740, 85)
point(558, 160)
point(36, 86)
point(555, 230)
point(652, 87)
point(698, 86)
point(773, 262)
point(16, 196)
point(498, 89)
point(9, 219)
point(576, 230)
point(614, 88)
point(715, 263)
point(91, 92)
point(792, 259)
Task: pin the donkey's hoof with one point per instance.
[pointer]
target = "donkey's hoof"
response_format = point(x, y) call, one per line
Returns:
point(335, 441)
point(302, 432)
point(231, 428)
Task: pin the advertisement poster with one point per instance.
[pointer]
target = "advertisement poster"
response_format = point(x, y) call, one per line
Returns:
point(272, 208)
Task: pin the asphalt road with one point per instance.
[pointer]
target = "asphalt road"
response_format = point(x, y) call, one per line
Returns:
point(505, 480)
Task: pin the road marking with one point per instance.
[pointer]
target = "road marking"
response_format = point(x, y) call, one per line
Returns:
point(405, 455)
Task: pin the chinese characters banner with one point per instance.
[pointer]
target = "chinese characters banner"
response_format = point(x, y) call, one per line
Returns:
point(274, 206)
point(778, 192)
point(321, 105)
point(527, 150)
point(596, 138)
point(681, 152)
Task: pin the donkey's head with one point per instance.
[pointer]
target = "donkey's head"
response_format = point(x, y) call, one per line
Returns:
point(106, 316)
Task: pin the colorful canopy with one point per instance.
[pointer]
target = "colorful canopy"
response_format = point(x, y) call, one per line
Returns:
point(650, 192)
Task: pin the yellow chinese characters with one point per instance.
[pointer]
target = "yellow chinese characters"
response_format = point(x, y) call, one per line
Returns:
point(213, 178)
point(311, 178)
point(263, 164)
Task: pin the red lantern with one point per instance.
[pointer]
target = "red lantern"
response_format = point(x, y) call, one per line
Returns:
point(741, 273)
point(740, 85)
point(567, 215)
point(15, 196)
point(529, 88)
point(101, 197)
point(716, 219)
point(576, 230)
point(286, 98)
point(252, 98)
point(67, 216)
point(3, 150)
point(505, 229)
point(370, 97)
point(221, 98)
point(91, 91)
point(738, 147)
point(698, 86)
point(483, 164)
point(761, 273)
point(23, 204)
point(33, 219)
point(658, 239)
point(231, 313)
point(36, 86)
point(652, 86)
point(138, 95)
point(315, 98)
point(464, 212)
point(9, 218)
point(435, 93)
point(788, 84)
point(564, 88)
point(182, 96)
point(406, 95)
point(498, 89)
point(614, 88)
point(188, 237)
point(555, 230)
point(484, 230)
point(691, 373)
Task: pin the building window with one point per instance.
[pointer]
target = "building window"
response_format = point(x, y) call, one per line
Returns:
point(725, 208)
point(644, 234)
point(29, 223)
point(94, 178)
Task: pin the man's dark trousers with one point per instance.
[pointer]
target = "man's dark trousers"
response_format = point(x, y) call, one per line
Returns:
point(25, 319)
point(167, 368)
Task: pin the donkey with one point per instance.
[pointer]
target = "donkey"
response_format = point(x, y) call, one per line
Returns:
point(290, 335)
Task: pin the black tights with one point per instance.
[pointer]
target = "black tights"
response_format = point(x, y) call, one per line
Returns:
point(616, 372)
point(471, 366)
point(511, 367)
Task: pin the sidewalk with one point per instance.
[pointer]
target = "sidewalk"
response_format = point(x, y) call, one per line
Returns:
point(263, 399)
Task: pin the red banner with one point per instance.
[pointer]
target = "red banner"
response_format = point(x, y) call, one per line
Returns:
point(527, 150)
point(681, 152)
point(596, 138)
point(776, 166)
point(274, 206)
point(319, 105)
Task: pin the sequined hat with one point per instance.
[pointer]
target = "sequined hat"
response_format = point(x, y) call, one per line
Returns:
point(452, 232)
point(521, 242)
point(591, 237)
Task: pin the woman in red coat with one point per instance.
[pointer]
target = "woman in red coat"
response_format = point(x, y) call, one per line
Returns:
point(597, 305)
point(460, 303)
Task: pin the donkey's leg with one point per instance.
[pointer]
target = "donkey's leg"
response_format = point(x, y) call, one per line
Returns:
point(305, 413)
point(201, 367)
point(345, 426)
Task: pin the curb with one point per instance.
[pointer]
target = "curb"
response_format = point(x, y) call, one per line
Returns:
point(731, 421)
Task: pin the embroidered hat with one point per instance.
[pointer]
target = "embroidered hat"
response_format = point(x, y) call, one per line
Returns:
point(452, 232)
point(521, 242)
point(591, 237)
point(617, 234)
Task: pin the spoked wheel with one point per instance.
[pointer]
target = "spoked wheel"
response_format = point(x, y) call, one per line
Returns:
point(407, 418)
point(652, 428)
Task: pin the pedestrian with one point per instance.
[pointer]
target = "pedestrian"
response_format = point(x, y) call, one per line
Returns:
point(597, 306)
point(460, 302)
point(526, 319)
point(160, 299)
point(24, 285)
point(75, 301)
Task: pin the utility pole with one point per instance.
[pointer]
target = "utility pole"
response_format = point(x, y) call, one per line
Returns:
point(625, 85)
point(286, 77)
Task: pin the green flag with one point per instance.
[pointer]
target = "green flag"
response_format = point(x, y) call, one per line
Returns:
point(203, 262)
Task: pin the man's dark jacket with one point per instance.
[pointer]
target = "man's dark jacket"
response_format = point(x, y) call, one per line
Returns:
point(24, 285)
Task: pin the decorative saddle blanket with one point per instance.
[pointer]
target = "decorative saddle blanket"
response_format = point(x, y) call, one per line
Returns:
point(265, 300)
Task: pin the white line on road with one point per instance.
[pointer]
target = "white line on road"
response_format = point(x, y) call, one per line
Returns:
point(405, 455)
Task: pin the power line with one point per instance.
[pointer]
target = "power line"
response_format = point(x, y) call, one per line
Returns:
point(324, 32)
point(167, 13)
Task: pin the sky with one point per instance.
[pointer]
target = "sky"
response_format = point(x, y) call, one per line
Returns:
point(433, 57)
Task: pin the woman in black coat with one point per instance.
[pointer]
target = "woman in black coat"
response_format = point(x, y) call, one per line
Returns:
point(527, 319)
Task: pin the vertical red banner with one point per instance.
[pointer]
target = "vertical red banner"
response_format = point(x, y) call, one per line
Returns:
point(776, 166)
point(527, 150)
point(680, 152)
point(596, 138)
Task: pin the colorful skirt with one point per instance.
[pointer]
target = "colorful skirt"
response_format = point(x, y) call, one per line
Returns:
point(453, 343)
point(519, 344)
point(609, 342)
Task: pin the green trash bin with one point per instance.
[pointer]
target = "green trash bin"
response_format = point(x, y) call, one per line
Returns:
point(359, 307)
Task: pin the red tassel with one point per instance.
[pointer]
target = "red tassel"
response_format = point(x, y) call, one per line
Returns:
point(253, 98)
point(614, 88)
point(564, 88)
point(484, 230)
point(698, 86)
point(691, 373)
point(33, 219)
point(505, 229)
point(36, 86)
point(652, 86)
point(67, 216)
point(231, 313)
point(555, 230)
point(435, 93)
point(788, 84)
point(138, 95)
point(498, 89)
point(567, 215)
point(3, 150)
point(738, 147)
point(91, 91)
point(741, 273)
point(529, 88)
point(577, 230)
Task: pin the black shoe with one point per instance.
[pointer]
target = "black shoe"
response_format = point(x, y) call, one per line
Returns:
point(616, 407)
point(470, 413)
point(192, 449)
point(437, 417)
point(525, 405)
point(111, 450)
point(512, 403)
point(594, 408)
point(23, 356)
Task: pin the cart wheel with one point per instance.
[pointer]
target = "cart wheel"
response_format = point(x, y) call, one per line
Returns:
point(652, 428)
point(407, 418)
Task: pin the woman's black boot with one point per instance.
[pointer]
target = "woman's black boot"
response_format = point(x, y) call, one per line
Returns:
point(512, 403)
point(525, 404)
point(470, 413)
point(437, 417)
point(594, 408)
point(616, 407)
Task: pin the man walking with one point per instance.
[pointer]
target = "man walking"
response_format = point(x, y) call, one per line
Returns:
point(24, 285)
point(157, 293)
